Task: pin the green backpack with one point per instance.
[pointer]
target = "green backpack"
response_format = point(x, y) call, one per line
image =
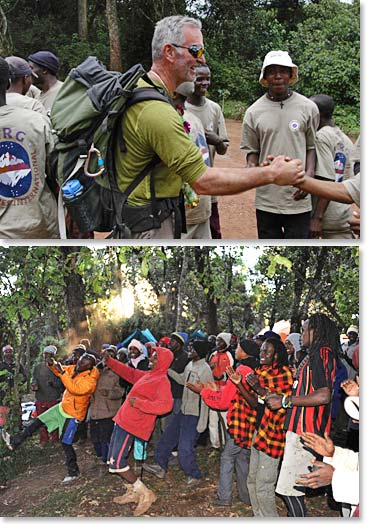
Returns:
point(86, 116)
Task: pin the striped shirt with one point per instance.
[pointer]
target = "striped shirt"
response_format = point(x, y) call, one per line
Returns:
point(313, 419)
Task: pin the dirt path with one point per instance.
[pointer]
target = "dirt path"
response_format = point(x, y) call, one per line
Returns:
point(237, 212)
point(38, 492)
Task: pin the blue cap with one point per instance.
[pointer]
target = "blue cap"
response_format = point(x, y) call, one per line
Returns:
point(181, 336)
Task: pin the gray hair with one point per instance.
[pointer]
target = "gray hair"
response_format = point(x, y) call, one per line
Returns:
point(170, 30)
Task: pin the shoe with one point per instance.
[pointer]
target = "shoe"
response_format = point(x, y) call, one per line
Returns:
point(129, 496)
point(192, 481)
point(173, 460)
point(219, 502)
point(155, 469)
point(146, 499)
point(7, 439)
point(70, 478)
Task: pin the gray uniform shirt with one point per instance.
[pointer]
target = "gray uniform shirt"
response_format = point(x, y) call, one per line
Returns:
point(274, 128)
point(333, 149)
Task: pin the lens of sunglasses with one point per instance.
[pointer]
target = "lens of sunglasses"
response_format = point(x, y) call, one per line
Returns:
point(196, 51)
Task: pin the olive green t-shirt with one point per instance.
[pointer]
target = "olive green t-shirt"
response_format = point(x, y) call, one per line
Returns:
point(274, 128)
point(333, 149)
point(150, 128)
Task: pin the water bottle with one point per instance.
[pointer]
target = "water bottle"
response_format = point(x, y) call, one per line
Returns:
point(72, 189)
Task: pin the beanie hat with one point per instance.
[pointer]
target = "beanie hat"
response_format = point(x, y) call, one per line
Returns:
point(226, 337)
point(250, 347)
point(164, 340)
point(281, 58)
point(197, 335)
point(201, 347)
point(271, 334)
point(295, 340)
point(180, 336)
point(50, 349)
point(353, 329)
point(136, 344)
point(7, 348)
point(113, 348)
point(47, 60)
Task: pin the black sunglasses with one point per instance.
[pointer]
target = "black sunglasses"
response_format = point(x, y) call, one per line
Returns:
point(196, 51)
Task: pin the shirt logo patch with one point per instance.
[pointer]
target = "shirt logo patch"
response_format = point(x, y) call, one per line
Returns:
point(15, 170)
point(294, 125)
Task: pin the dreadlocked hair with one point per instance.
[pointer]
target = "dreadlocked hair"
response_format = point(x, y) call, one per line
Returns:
point(280, 350)
point(326, 333)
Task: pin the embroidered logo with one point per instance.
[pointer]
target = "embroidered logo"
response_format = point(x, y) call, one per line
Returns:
point(294, 125)
point(15, 170)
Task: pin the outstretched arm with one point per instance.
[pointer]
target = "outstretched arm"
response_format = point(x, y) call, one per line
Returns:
point(229, 181)
point(328, 190)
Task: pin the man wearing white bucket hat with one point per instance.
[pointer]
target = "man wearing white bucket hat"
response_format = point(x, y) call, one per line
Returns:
point(281, 122)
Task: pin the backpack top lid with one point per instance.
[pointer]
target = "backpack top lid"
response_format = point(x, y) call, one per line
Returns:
point(90, 91)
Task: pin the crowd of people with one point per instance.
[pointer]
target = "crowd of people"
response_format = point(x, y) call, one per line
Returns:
point(291, 148)
point(283, 415)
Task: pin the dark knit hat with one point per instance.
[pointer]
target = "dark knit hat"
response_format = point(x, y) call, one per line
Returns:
point(202, 347)
point(250, 347)
point(271, 334)
point(47, 60)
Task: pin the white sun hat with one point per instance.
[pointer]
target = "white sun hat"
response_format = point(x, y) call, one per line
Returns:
point(278, 58)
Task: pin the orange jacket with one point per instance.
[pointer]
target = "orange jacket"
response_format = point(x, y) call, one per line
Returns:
point(78, 390)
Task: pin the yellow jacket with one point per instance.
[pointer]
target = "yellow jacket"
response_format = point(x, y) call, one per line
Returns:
point(78, 390)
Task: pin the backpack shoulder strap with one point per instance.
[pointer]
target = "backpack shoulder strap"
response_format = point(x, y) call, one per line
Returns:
point(140, 94)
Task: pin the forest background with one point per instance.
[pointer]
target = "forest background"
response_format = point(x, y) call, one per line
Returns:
point(61, 294)
point(322, 37)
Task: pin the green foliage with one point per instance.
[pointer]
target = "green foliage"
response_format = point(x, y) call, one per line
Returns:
point(330, 283)
point(234, 110)
point(326, 47)
point(348, 119)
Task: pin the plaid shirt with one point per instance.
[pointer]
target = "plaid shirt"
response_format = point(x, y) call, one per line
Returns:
point(270, 437)
point(241, 420)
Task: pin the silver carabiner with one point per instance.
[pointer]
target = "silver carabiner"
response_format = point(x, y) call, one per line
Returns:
point(100, 163)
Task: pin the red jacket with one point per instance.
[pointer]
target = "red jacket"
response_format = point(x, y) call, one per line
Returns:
point(152, 391)
point(222, 399)
point(218, 362)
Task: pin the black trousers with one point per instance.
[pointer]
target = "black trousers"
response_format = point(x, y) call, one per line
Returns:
point(274, 225)
point(69, 452)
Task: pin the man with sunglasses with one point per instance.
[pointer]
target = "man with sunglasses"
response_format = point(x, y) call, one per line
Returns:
point(154, 129)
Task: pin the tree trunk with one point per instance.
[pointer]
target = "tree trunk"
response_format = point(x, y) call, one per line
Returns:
point(229, 290)
point(204, 274)
point(300, 266)
point(83, 19)
point(75, 297)
point(114, 34)
point(181, 290)
point(5, 44)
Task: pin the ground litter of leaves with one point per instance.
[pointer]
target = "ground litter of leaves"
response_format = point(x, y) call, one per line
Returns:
point(38, 491)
